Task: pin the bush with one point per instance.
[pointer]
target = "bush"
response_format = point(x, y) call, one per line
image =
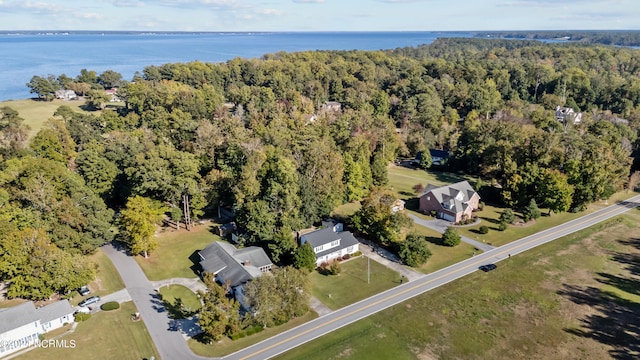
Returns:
point(502, 226)
point(111, 305)
point(484, 229)
point(330, 269)
point(451, 237)
point(413, 251)
point(356, 254)
point(82, 317)
point(346, 257)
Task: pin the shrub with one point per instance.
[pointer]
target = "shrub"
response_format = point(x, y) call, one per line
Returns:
point(507, 216)
point(111, 305)
point(82, 317)
point(451, 237)
point(346, 257)
point(413, 251)
point(484, 229)
point(356, 254)
point(335, 268)
point(502, 226)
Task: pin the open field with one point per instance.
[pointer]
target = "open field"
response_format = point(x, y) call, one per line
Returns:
point(35, 113)
point(574, 298)
point(106, 335)
point(351, 286)
point(227, 346)
point(177, 253)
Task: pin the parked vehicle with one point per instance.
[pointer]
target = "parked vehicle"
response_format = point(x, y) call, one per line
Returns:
point(84, 290)
point(89, 301)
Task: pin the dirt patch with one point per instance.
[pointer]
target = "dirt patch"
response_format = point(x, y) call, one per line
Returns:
point(427, 353)
point(345, 354)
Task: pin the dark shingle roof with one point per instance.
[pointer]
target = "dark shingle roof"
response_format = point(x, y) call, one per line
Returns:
point(231, 264)
point(325, 236)
point(17, 316)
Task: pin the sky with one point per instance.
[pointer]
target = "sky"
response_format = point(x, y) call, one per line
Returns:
point(319, 15)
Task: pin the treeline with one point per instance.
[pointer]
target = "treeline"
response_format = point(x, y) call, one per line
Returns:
point(613, 37)
point(258, 136)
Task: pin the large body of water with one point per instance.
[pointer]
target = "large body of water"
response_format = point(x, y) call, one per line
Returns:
point(23, 55)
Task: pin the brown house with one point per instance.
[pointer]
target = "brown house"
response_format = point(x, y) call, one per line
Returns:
point(455, 202)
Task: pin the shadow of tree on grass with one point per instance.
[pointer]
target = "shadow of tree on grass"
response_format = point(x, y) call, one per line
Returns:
point(615, 322)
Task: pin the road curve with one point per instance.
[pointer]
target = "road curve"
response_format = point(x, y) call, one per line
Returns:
point(311, 330)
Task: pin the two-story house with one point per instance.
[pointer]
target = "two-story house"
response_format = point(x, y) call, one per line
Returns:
point(330, 242)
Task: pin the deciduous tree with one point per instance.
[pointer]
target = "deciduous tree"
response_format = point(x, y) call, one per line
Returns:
point(138, 222)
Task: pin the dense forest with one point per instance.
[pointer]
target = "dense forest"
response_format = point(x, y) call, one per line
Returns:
point(611, 37)
point(282, 140)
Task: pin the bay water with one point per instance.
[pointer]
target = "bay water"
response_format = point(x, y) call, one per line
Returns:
point(25, 54)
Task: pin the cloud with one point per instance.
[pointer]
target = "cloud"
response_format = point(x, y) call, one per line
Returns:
point(34, 7)
point(308, 1)
point(544, 3)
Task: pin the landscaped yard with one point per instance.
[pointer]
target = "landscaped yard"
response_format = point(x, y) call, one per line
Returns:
point(442, 256)
point(177, 253)
point(403, 179)
point(190, 301)
point(350, 286)
point(106, 335)
point(227, 346)
point(491, 214)
point(35, 113)
point(345, 210)
point(576, 297)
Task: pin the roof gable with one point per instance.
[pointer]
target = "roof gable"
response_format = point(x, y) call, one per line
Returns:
point(17, 316)
point(452, 197)
point(231, 264)
point(54, 311)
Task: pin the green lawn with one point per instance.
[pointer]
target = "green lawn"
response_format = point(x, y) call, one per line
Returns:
point(442, 256)
point(35, 113)
point(107, 280)
point(177, 253)
point(227, 346)
point(189, 299)
point(106, 335)
point(345, 210)
point(576, 297)
point(491, 214)
point(351, 286)
point(402, 179)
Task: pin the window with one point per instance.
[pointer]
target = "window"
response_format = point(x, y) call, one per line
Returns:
point(335, 243)
point(318, 249)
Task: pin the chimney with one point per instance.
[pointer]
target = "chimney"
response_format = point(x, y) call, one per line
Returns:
point(246, 263)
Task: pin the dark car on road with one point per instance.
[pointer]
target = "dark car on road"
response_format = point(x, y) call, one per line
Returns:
point(89, 301)
point(487, 267)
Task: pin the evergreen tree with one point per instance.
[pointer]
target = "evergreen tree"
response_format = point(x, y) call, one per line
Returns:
point(451, 237)
point(305, 257)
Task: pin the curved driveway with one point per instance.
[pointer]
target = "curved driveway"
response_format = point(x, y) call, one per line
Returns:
point(171, 345)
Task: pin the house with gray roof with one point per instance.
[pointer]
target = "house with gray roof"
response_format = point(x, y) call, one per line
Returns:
point(55, 315)
point(330, 242)
point(21, 325)
point(455, 202)
point(232, 266)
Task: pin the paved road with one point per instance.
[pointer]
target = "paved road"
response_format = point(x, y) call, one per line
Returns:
point(347, 315)
point(442, 225)
point(170, 343)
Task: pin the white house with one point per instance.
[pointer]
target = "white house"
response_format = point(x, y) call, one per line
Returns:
point(568, 115)
point(19, 328)
point(21, 325)
point(330, 242)
point(56, 315)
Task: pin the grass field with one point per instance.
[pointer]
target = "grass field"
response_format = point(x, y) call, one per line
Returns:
point(189, 299)
point(351, 286)
point(227, 346)
point(106, 335)
point(177, 253)
point(35, 113)
point(574, 298)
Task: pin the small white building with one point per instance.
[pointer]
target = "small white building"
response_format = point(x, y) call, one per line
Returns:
point(567, 115)
point(330, 242)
